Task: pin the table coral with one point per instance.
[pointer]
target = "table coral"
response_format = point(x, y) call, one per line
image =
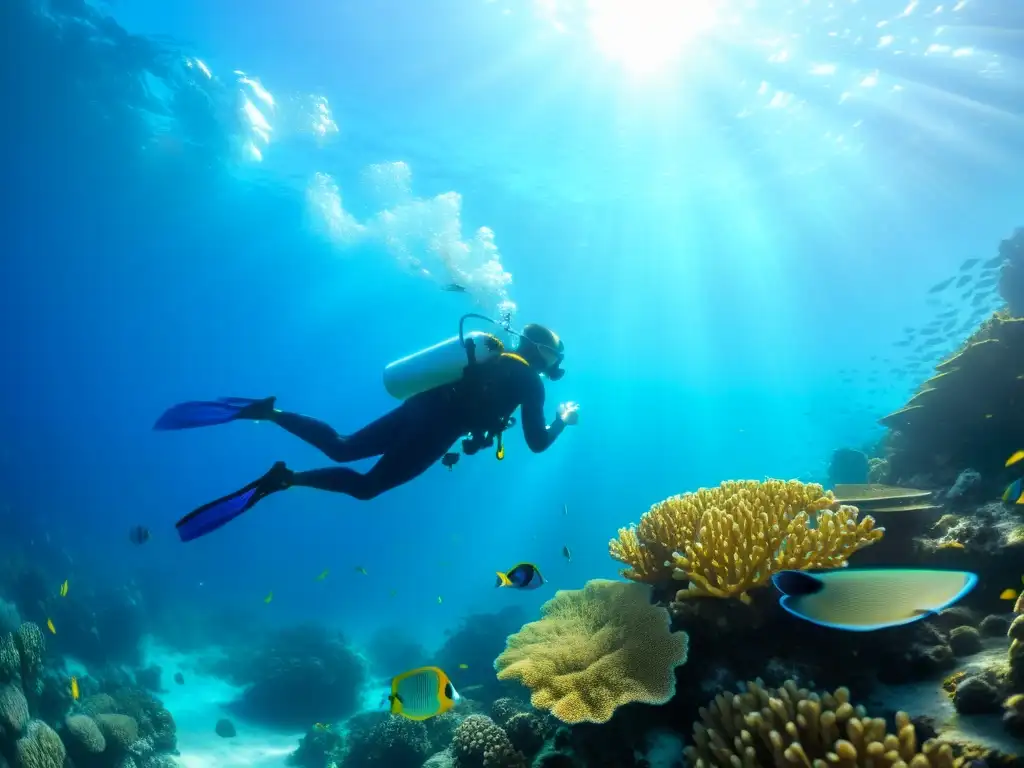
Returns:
point(595, 649)
point(728, 540)
point(790, 726)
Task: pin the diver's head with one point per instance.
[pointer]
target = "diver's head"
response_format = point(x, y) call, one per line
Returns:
point(543, 350)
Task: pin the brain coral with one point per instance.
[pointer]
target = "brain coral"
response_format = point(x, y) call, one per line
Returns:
point(40, 748)
point(119, 730)
point(593, 650)
point(480, 743)
point(13, 711)
point(84, 733)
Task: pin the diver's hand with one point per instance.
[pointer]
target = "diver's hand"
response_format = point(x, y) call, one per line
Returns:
point(569, 413)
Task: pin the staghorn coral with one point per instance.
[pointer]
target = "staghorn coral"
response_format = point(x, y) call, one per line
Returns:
point(790, 726)
point(41, 747)
point(85, 734)
point(728, 540)
point(480, 743)
point(593, 650)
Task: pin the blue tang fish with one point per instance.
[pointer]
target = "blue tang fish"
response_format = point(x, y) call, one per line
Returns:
point(522, 576)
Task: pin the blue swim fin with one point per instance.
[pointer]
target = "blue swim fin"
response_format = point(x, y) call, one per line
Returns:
point(222, 511)
point(206, 413)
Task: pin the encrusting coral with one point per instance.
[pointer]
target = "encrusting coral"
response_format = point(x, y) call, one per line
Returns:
point(728, 540)
point(790, 726)
point(595, 649)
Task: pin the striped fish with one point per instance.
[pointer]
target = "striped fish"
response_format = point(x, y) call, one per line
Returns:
point(422, 693)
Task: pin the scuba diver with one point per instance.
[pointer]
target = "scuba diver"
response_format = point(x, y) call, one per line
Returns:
point(466, 387)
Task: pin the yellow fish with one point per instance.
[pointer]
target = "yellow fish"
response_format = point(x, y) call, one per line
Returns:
point(1008, 594)
point(74, 688)
point(360, 569)
point(49, 626)
point(463, 666)
point(1015, 458)
point(269, 597)
point(951, 545)
point(64, 588)
point(323, 575)
point(422, 693)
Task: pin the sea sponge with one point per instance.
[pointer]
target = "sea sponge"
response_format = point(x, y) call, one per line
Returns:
point(728, 540)
point(764, 728)
point(85, 733)
point(40, 748)
point(119, 730)
point(595, 649)
point(14, 714)
point(480, 743)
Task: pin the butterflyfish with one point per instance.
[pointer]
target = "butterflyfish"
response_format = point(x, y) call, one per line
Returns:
point(269, 597)
point(1008, 594)
point(323, 574)
point(521, 576)
point(422, 693)
point(64, 588)
point(1012, 493)
point(1017, 456)
point(49, 626)
point(867, 599)
point(74, 688)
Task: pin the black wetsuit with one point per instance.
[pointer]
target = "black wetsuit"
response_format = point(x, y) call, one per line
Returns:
point(423, 429)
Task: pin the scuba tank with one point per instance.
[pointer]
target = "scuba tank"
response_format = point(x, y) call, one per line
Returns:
point(443, 363)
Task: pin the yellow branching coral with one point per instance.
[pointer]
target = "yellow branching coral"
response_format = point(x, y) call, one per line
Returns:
point(790, 727)
point(727, 540)
point(595, 649)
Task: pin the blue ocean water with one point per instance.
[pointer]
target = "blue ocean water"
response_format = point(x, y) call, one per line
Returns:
point(719, 209)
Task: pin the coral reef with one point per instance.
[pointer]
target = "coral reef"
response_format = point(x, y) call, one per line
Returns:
point(728, 540)
point(594, 650)
point(964, 416)
point(475, 643)
point(1011, 278)
point(792, 726)
point(296, 677)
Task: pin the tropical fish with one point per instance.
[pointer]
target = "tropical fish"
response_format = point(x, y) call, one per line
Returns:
point(565, 509)
point(179, 678)
point(49, 626)
point(74, 688)
point(567, 554)
point(964, 280)
point(454, 288)
point(449, 460)
point(463, 666)
point(422, 693)
point(951, 545)
point(1008, 594)
point(1012, 494)
point(269, 597)
point(439, 600)
point(360, 569)
point(994, 262)
point(64, 588)
point(1017, 456)
point(322, 727)
point(941, 286)
point(867, 599)
point(521, 576)
point(968, 264)
point(323, 574)
point(138, 535)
